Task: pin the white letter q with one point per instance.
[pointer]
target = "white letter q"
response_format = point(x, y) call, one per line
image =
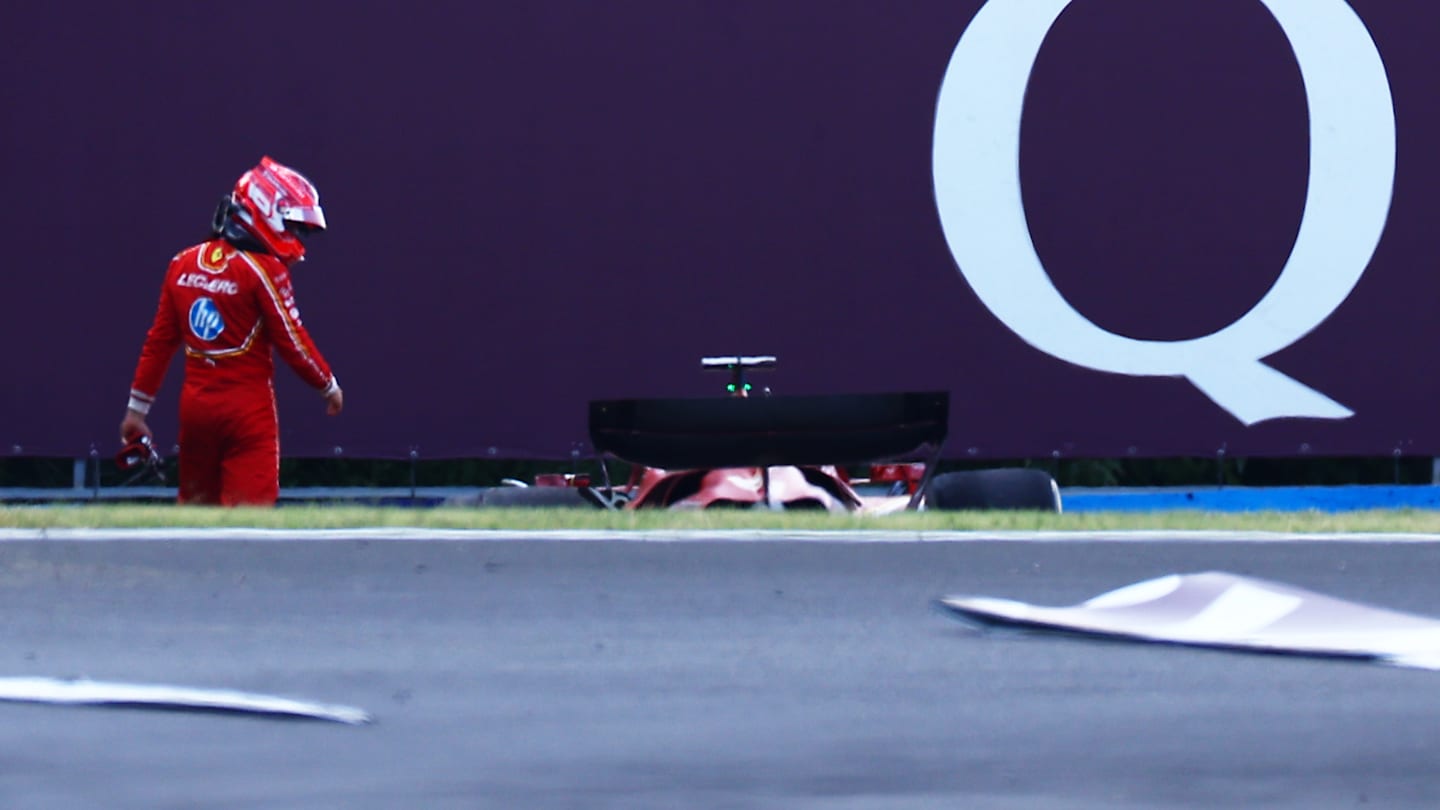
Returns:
point(1352, 173)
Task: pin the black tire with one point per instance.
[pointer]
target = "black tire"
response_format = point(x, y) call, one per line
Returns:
point(536, 498)
point(1009, 488)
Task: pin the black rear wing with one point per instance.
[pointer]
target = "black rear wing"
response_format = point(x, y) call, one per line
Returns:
point(770, 431)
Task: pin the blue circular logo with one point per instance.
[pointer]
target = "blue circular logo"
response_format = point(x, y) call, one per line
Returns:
point(205, 320)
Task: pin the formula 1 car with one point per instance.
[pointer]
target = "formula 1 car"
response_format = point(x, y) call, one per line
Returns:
point(758, 451)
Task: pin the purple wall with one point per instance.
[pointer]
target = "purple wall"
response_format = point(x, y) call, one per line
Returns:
point(537, 204)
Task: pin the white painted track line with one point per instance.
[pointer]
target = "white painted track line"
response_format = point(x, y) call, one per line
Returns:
point(649, 536)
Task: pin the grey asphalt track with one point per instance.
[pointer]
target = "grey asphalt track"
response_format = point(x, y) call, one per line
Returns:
point(764, 674)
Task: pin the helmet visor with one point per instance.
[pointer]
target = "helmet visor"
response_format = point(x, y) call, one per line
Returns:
point(310, 215)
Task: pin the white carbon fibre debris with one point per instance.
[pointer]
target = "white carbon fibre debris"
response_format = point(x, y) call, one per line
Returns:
point(83, 692)
point(1227, 611)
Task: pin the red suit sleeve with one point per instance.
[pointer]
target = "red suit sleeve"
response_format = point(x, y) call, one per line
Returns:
point(160, 344)
point(282, 323)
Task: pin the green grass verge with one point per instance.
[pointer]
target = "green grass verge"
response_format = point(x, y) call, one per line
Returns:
point(348, 516)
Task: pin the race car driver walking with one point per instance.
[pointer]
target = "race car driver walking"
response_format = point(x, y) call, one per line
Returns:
point(229, 301)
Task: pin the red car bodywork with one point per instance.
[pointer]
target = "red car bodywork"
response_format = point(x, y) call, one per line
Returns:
point(889, 488)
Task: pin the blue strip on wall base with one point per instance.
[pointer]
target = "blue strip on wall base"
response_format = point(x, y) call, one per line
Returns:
point(1348, 498)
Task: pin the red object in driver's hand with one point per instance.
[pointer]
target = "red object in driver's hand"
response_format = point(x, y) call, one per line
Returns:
point(138, 452)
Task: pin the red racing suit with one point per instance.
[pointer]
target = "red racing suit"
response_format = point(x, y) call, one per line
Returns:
point(228, 308)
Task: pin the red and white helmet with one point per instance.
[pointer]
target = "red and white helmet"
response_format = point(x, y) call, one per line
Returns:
point(275, 203)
